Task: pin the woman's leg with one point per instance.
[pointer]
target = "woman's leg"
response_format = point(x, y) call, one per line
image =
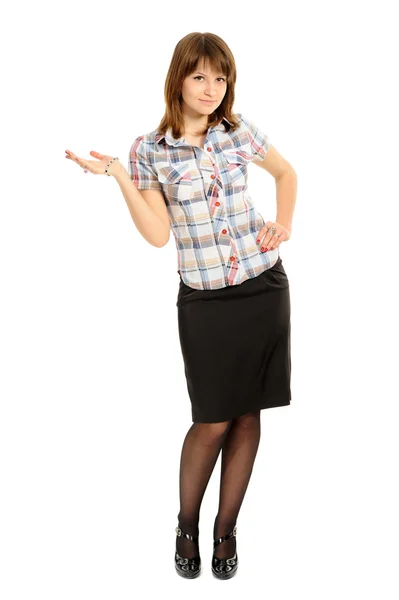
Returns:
point(200, 451)
point(238, 457)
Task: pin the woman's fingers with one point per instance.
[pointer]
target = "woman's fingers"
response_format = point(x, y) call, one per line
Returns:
point(76, 159)
point(71, 155)
point(263, 238)
point(92, 152)
point(97, 166)
point(270, 240)
point(79, 161)
point(273, 243)
point(93, 166)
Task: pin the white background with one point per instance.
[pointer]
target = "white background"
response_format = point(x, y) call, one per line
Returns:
point(94, 405)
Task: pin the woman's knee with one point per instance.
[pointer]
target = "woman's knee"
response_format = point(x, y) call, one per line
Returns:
point(249, 419)
point(215, 430)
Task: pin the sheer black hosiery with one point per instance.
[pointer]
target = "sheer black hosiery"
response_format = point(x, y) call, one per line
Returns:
point(238, 440)
point(201, 448)
point(238, 456)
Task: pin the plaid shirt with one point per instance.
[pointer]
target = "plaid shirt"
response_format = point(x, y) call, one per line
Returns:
point(213, 219)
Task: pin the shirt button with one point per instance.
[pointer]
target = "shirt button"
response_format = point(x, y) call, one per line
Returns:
point(224, 230)
point(213, 176)
point(217, 203)
point(209, 149)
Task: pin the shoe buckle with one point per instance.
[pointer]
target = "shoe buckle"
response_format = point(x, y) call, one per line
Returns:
point(235, 530)
point(178, 531)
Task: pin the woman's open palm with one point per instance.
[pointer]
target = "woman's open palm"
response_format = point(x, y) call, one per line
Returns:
point(94, 166)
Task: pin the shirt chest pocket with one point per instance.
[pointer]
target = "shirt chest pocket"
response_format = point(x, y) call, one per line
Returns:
point(176, 181)
point(236, 167)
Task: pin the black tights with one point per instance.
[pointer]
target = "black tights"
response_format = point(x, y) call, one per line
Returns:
point(239, 440)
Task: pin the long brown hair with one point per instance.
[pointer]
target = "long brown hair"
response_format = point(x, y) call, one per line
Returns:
point(187, 54)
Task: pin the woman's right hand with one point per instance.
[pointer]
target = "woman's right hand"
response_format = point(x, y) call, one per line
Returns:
point(95, 166)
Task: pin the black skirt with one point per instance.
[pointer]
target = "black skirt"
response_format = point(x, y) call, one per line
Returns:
point(235, 343)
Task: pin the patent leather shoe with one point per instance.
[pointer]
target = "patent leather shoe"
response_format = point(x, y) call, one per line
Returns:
point(187, 567)
point(224, 568)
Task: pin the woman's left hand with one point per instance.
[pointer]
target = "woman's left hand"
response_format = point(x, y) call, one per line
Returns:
point(270, 240)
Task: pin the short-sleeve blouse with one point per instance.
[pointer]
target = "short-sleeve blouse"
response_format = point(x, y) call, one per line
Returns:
point(212, 217)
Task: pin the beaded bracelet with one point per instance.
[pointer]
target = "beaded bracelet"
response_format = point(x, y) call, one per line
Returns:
point(110, 162)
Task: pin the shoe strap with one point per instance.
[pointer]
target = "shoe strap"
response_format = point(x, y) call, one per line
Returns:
point(226, 537)
point(180, 532)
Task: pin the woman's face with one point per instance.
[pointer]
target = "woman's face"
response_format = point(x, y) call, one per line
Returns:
point(203, 84)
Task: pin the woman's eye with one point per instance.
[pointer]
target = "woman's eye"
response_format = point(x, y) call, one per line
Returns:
point(200, 77)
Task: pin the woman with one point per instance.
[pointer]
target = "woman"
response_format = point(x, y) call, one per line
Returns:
point(190, 176)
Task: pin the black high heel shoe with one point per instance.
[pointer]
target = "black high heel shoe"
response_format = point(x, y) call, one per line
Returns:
point(224, 568)
point(187, 567)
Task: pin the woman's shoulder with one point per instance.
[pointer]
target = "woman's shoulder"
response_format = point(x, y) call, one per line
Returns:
point(147, 138)
point(145, 142)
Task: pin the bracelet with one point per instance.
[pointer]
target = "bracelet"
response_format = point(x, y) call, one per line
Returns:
point(110, 162)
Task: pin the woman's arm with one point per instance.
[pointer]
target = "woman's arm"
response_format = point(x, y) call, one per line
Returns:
point(286, 185)
point(147, 209)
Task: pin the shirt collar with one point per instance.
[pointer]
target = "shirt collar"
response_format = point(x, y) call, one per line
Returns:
point(174, 142)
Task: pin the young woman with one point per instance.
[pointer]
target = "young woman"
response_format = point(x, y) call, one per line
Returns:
point(190, 176)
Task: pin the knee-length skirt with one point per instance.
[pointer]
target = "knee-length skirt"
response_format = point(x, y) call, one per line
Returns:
point(235, 343)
